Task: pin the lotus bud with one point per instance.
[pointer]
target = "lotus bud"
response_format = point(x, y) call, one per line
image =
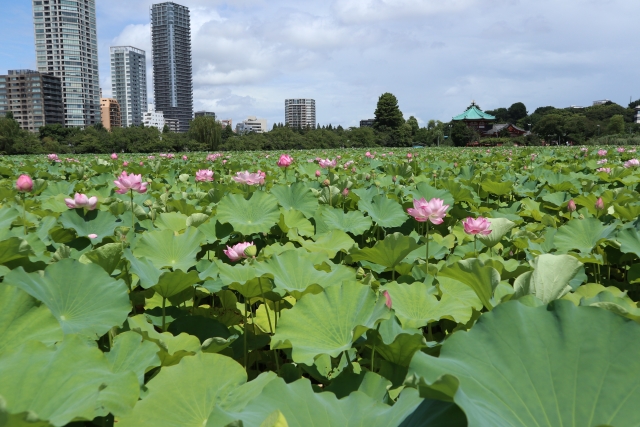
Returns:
point(318, 174)
point(387, 298)
point(394, 179)
point(345, 192)
point(353, 169)
point(367, 177)
point(599, 204)
point(251, 251)
point(326, 182)
point(571, 207)
point(24, 184)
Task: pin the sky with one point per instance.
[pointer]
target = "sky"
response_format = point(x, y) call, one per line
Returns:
point(436, 56)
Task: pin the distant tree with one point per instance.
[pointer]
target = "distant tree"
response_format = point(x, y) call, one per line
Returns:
point(207, 131)
point(388, 114)
point(165, 129)
point(227, 132)
point(634, 104)
point(517, 111)
point(550, 126)
point(501, 114)
point(413, 122)
point(461, 135)
point(616, 124)
point(8, 115)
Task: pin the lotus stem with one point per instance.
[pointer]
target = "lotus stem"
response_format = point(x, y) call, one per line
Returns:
point(264, 300)
point(164, 303)
point(429, 332)
point(475, 241)
point(244, 333)
point(24, 214)
point(133, 215)
point(427, 245)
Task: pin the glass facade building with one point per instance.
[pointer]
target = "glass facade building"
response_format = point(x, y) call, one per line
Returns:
point(129, 83)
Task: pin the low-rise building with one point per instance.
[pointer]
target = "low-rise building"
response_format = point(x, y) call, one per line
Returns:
point(252, 124)
point(601, 102)
point(153, 118)
point(205, 114)
point(110, 113)
point(34, 98)
point(637, 114)
point(367, 123)
point(226, 122)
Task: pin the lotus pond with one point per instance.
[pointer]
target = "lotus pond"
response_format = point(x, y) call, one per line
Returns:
point(437, 287)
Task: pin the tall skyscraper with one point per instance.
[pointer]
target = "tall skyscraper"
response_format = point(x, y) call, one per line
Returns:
point(172, 69)
point(300, 113)
point(67, 46)
point(129, 83)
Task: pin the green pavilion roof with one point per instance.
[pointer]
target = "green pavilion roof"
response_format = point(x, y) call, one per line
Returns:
point(474, 113)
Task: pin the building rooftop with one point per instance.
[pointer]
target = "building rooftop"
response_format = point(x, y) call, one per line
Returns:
point(474, 113)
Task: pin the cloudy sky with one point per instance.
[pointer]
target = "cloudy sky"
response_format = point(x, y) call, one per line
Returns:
point(434, 55)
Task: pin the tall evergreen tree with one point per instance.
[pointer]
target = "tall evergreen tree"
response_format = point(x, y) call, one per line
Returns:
point(388, 114)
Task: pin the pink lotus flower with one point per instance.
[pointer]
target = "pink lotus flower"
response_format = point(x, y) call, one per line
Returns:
point(605, 170)
point(82, 201)
point(387, 299)
point(163, 155)
point(126, 183)
point(114, 156)
point(631, 163)
point(237, 252)
point(353, 169)
point(92, 236)
point(125, 164)
point(602, 153)
point(477, 226)
point(433, 210)
point(584, 149)
point(24, 184)
point(285, 161)
point(53, 157)
point(571, 206)
point(151, 157)
point(599, 204)
point(409, 155)
point(310, 160)
point(141, 163)
point(326, 163)
point(602, 162)
point(204, 175)
point(632, 150)
point(318, 173)
point(345, 192)
point(249, 178)
point(170, 156)
point(369, 155)
point(213, 157)
point(620, 150)
point(185, 158)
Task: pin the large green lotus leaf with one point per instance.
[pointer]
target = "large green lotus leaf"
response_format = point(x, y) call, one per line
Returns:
point(236, 274)
point(96, 222)
point(148, 273)
point(7, 216)
point(627, 211)
point(497, 188)
point(499, 228)
point(296, 196)
point(256, 215)
point(614, 300)
point(465, 298)
point(295, 274)
point(479, 277)
point(416, 305)
point(389, 252)
point(304, 408)
point(550, 277)
point(353, 222)
point(436, 413)
point(629, 241)
point(367, 193)
point(173, 221)
point(330, 243)
point(165, 249)
point(556, 365)
point(329, 322)
point(173, 282)
point(581, 234)
point(292, 219)
point(108, 256)
point(172, 348)
point(72, 381)
point(82, 297)
point(383, 211)
point(23, 319)
point(427, 192)
point(401, 350)
point(14, 248)
point(130, 353)
point(185, 395)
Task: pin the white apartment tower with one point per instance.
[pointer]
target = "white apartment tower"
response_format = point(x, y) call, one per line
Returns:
point(129, 83)
point(67, 47)
point(300, 113)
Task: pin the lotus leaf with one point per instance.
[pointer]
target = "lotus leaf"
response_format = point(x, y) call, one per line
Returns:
point(256, 215)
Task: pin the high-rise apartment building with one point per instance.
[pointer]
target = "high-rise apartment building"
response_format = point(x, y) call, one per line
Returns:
point(34, 98)
point(67, 46)
point(300, 113)
point(110, 113)
point(172, 69)
point(129, 83)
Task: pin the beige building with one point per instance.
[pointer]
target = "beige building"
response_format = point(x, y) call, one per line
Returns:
point(252, 124)
point(110, 113)
point(226, 122)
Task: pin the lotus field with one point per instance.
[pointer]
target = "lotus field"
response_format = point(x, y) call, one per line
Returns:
point(432, 287)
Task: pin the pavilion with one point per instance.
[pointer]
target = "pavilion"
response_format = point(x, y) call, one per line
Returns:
point(483, 123)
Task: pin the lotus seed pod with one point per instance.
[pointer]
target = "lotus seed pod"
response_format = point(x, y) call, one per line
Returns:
point(251, 251)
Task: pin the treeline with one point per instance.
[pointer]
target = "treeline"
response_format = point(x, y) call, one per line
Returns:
point(601, 124)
